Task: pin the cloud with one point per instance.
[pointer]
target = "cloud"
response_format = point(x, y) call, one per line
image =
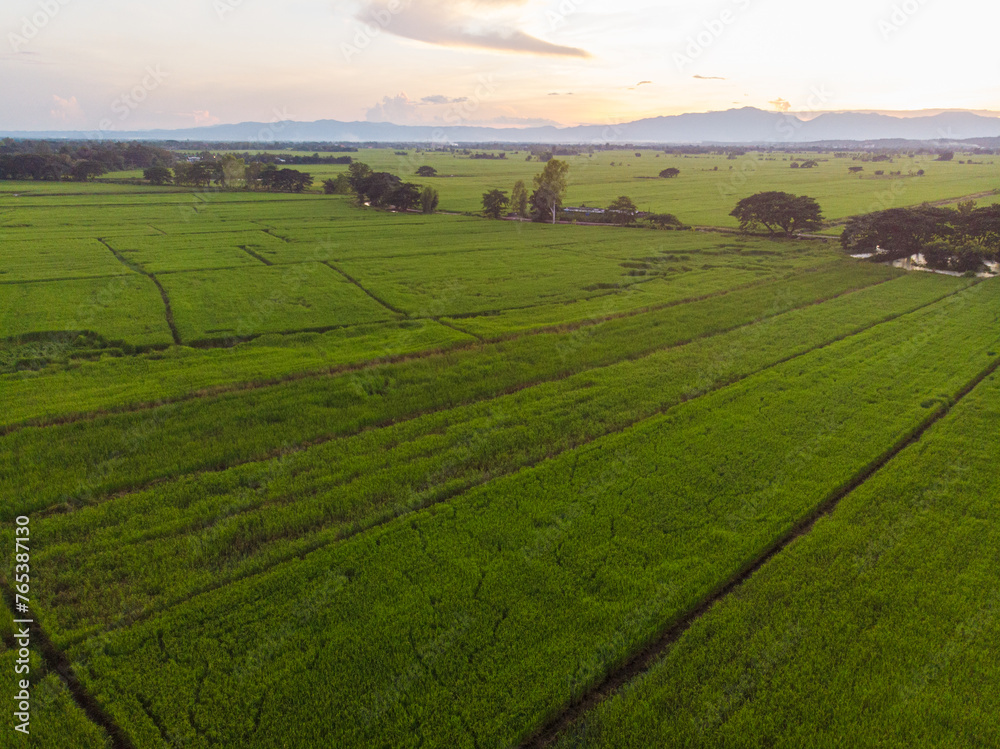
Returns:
point(556, 93)
point(399, 109)
point(201, 117)
point(439, 99)
point(66, 110)
point(780, 105)
point(710, 78)
point(460, 23)
point(640, 83)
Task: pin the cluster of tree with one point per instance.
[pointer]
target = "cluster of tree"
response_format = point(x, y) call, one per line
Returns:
point(543, 204)
point(490, 156)
point(809, 164)
point(961, 239)
point(778, 211)
point(385, 190)
point(44, 160)
point(670, 172)
point(229, 171)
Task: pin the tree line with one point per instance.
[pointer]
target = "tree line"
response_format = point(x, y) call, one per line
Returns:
point(75, 160)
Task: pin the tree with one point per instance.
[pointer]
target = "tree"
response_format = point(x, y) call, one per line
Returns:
point(405, 196)
point(778, 210)
point(855, 169)
point(427, 171)
point(285, 180)
point(158, 175)
point(84, 170)
point(377, 188)
point(357, 174)
point(623, 211)
point(339, 185)
point(429, 199)
point(664, 221)
point(670, 172)
point(896, 233)
point(550, 187)
point(946, 156)
point(519, 199)
point(494, 203)
point(231, 170)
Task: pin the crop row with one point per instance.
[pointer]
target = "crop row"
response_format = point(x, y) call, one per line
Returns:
point(472, 622)
point(76, 463)
point(145, 551)
point(879, 628)
point(121, 383)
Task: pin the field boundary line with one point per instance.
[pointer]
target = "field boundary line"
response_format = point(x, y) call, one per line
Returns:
point(57, 662)
point(237, 387)
point(642, 661)
point(163, 292)
point(59, 280)
point(354, 281)
point(253, 254)
point(448, 324)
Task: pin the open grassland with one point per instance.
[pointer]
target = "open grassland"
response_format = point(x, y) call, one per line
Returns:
point(708, 186)
point(315, 475)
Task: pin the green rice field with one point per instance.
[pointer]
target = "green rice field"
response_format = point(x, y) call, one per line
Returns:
point(303, 474)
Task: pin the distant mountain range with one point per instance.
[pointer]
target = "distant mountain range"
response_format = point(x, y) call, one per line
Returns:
point(735, 126)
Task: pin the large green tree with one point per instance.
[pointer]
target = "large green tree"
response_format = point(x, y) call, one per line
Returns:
point(494, 203)
point(158, 175)
point(897, 232)
point(776, 211)
point(550, 190)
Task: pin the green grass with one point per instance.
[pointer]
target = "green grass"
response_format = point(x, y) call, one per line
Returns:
point(47, 260)
point(116, 382)
point(700, 195)
point(248, 518)
point(876, 629)
point(424, 480)
point(120, 308)
point(472, 622)
point(56, 721)
point(251, 301)
point(74, 463)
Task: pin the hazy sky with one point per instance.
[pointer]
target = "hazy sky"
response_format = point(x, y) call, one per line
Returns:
point(124, 65)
